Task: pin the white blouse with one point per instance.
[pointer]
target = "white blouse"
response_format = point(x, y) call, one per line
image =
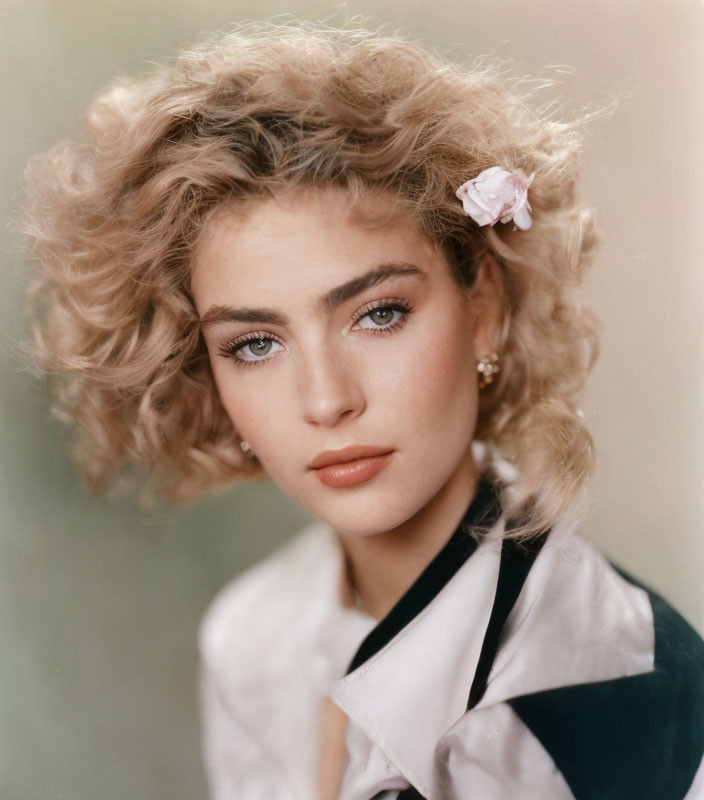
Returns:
point(581, 644)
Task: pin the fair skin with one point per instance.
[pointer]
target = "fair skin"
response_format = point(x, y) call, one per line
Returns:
point(306, 361)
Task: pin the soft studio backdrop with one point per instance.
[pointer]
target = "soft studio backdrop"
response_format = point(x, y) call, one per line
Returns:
point(100, 604)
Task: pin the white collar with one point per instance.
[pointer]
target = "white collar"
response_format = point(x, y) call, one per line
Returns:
point(408, 695)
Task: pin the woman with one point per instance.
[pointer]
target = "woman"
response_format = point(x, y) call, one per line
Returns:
point(329, 257)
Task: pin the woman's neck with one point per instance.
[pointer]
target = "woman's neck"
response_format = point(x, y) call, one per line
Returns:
point(383, 566)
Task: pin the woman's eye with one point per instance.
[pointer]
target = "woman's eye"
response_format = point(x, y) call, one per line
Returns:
point(256, 348)
point(383, 317)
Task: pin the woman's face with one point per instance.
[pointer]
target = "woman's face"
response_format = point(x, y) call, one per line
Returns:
point(325, 335)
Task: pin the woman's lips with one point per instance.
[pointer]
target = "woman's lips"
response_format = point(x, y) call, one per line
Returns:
point(350, 466)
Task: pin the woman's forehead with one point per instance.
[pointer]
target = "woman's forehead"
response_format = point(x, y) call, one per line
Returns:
point(304, 239)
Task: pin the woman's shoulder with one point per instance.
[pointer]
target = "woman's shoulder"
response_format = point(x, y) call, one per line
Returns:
point(597, 678)
point(634, 705)
point(579, 602)
point(269, 603)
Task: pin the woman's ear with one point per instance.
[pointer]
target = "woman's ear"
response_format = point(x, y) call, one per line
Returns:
point(487, 301)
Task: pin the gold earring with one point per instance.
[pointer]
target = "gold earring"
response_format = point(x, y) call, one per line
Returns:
point(487, 367)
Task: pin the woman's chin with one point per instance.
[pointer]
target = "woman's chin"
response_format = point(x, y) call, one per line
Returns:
point(367, 519)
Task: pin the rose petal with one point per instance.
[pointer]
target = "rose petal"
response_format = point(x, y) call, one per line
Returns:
point(482, 216)
point(522, 218)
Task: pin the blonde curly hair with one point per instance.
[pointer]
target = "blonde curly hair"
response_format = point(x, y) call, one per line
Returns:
point(115, 218)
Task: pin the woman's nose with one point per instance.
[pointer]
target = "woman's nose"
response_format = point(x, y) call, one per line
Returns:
point(331, 391)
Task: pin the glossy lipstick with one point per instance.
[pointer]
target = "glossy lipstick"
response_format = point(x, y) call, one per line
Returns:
point(349, 466)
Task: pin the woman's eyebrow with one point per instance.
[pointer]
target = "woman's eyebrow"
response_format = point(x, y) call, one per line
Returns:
point(375, 276)
point(218, 314)
point(328, 302)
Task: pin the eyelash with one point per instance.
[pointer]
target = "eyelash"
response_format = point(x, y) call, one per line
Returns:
point(391, 303)
point(232, 348)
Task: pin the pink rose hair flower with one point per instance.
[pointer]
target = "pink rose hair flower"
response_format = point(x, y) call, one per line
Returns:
point(497, 194)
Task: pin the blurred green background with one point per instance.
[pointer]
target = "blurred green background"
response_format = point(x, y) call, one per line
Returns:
point(100, 602)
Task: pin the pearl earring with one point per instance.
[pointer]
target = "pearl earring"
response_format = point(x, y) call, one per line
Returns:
point(487, 367)
point(246, 448)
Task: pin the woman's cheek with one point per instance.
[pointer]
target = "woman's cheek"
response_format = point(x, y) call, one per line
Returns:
point(441, 371)
point(261, 411)
point(235, 395)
